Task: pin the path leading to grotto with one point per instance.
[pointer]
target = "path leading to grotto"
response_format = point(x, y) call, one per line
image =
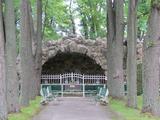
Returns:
point(76, 108)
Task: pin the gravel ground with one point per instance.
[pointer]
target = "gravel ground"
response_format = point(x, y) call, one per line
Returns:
point(75, 108)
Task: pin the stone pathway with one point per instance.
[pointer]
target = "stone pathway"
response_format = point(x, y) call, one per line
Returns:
point(75, 108)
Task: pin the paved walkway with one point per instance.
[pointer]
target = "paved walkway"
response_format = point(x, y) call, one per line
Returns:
point(75, 109)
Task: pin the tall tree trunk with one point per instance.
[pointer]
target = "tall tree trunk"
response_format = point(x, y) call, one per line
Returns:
point(26, 55)
point(33, 44)
point(10, 48)
point(115, 48)
point(110, 37)
point(92, 29)
point(151, 62)
point(118, 50)
point(38, 57)
point(84, 23)
point(92, 21)
point(3, 97)
point(45, 18)
point(85, 27)
point(71, 18)
point(131, 57)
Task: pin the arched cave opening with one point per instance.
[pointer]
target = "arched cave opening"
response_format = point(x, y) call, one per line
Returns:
point(72, 62)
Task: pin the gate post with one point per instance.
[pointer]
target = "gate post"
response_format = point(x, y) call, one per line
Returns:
point(61, 83)
point(72, 77)
point(83, 87)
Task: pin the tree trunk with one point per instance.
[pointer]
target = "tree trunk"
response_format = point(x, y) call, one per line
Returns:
point(110, 37)
point(72, 18)
point(85, 27)
point(92, 21)
point(10, 48)
point(38, 57)
point(84, 24)
point(45, 18)
point(131, 57)
point(33, 43)
point(151, 63)
point(26, 55)
point(115, 48)
point(3, 97)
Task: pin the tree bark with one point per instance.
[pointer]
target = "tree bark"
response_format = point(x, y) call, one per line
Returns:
point(115, 48)
point(110, 37)
point(72, 18)
point(26, 55)
point(131, 57)
point(38, 57)
point(85, 27)
point(33, 43)
point(92, 29)
point(45, 18)
point(84, 23)
point(151, 62)
point(35, 52)
point(10, 48)
point(3, 97)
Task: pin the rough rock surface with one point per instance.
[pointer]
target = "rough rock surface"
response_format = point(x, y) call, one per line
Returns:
point(95, 49)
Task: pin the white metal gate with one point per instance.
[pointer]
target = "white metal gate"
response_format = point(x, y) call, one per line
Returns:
point(73, 82)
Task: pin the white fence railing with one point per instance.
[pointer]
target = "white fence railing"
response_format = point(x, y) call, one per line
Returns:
point(73, 79)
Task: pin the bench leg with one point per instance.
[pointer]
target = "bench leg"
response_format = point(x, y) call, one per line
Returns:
point(104, 100)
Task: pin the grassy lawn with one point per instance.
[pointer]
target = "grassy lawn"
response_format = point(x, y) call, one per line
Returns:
point(116, 105)
point(129, 113)
point(27, 112)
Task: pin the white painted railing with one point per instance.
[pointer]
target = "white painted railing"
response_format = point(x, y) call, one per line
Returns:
point(73, 79)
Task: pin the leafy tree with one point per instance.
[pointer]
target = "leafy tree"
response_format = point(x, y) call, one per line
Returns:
point(142, 18)
point(93, 18)
point(56, 19)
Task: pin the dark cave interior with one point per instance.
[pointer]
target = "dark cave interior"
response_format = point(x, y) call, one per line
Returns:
point(72, 62)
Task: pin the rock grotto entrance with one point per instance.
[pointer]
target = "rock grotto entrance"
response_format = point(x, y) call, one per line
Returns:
point(72, 62)
point(73, 74)
point(74, 65)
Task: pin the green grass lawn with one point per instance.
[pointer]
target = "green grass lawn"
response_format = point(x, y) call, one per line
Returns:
point(27, 113)
point(129, 113)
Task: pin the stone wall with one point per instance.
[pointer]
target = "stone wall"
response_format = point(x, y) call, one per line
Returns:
point(95, 49)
